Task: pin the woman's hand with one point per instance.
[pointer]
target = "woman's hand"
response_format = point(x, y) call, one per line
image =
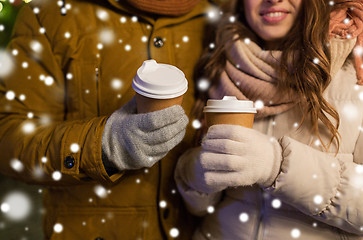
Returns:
point(237, 156)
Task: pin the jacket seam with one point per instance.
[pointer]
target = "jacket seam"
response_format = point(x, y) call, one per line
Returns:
point(330, 204)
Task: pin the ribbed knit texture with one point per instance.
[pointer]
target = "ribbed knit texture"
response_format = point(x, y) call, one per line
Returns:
point(251, 74)
point(347, 23)
point(164, 7)
point(340, 50)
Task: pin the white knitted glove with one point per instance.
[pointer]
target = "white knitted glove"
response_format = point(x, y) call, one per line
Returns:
point(133, 141)
point(190, 170)
point(237, 156)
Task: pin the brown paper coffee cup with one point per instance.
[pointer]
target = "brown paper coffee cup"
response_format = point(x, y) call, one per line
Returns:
point(158, 86)
point(242, 119)
point(229, 110)
point(146, 104)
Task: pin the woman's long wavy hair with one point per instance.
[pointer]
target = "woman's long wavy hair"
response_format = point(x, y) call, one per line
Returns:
point(307, 40)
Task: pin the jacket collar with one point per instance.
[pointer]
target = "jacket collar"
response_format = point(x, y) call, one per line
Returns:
point(200, 9)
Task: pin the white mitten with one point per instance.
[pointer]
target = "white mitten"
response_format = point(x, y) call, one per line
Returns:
point(237, 156)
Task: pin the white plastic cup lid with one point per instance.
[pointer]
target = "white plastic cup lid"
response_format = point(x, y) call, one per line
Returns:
point(229, 104)
point(160, 81)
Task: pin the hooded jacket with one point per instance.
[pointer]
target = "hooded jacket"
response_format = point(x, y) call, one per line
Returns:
point(67, 74)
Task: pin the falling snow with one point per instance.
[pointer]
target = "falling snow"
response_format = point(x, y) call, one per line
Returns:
point(196, 124)
point(16, 206)
point(69, 76)
point(58, 228)
point(359, 169)
point(318, 199)
point(100, 191)
point(15, 52)
point(36, 10)
point(10, 95)
point(28, 127)
point(116, 84)
point(358, 50)
point(106, 36)
point(17, 165)
point(102, 15)
point(174, 232)
point(127, 47)
point(36, 46)
point(57, 175)
point(350, 111)
point(317, 142)
point(22, 97)
point(143, 39)
point(38, 172)
point(74, 147)
point(99, 46)
point(276, 203)
point(6, 64)
point(243, 217)
point(162, 204)
point(259, 104)
point(25, 65)
point(30, 115)
point(134, 19)
point(210, 209)
point(122, 19)
point(185, 39)
point(49, 81)
point(295, 233)
point(203, 84)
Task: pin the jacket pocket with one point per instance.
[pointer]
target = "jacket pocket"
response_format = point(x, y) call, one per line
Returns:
point(82, 88)
point(106, 224)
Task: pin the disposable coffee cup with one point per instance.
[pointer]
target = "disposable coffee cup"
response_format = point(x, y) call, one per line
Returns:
point(158, 86)
point(229, 110)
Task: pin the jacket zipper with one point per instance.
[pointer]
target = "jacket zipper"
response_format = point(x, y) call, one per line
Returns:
point(98, 92)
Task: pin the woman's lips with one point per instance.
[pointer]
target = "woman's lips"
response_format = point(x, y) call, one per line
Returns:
point(272, 16)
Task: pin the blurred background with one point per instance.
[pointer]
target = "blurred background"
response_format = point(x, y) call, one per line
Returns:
point(8, 12)
point(20, 204)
